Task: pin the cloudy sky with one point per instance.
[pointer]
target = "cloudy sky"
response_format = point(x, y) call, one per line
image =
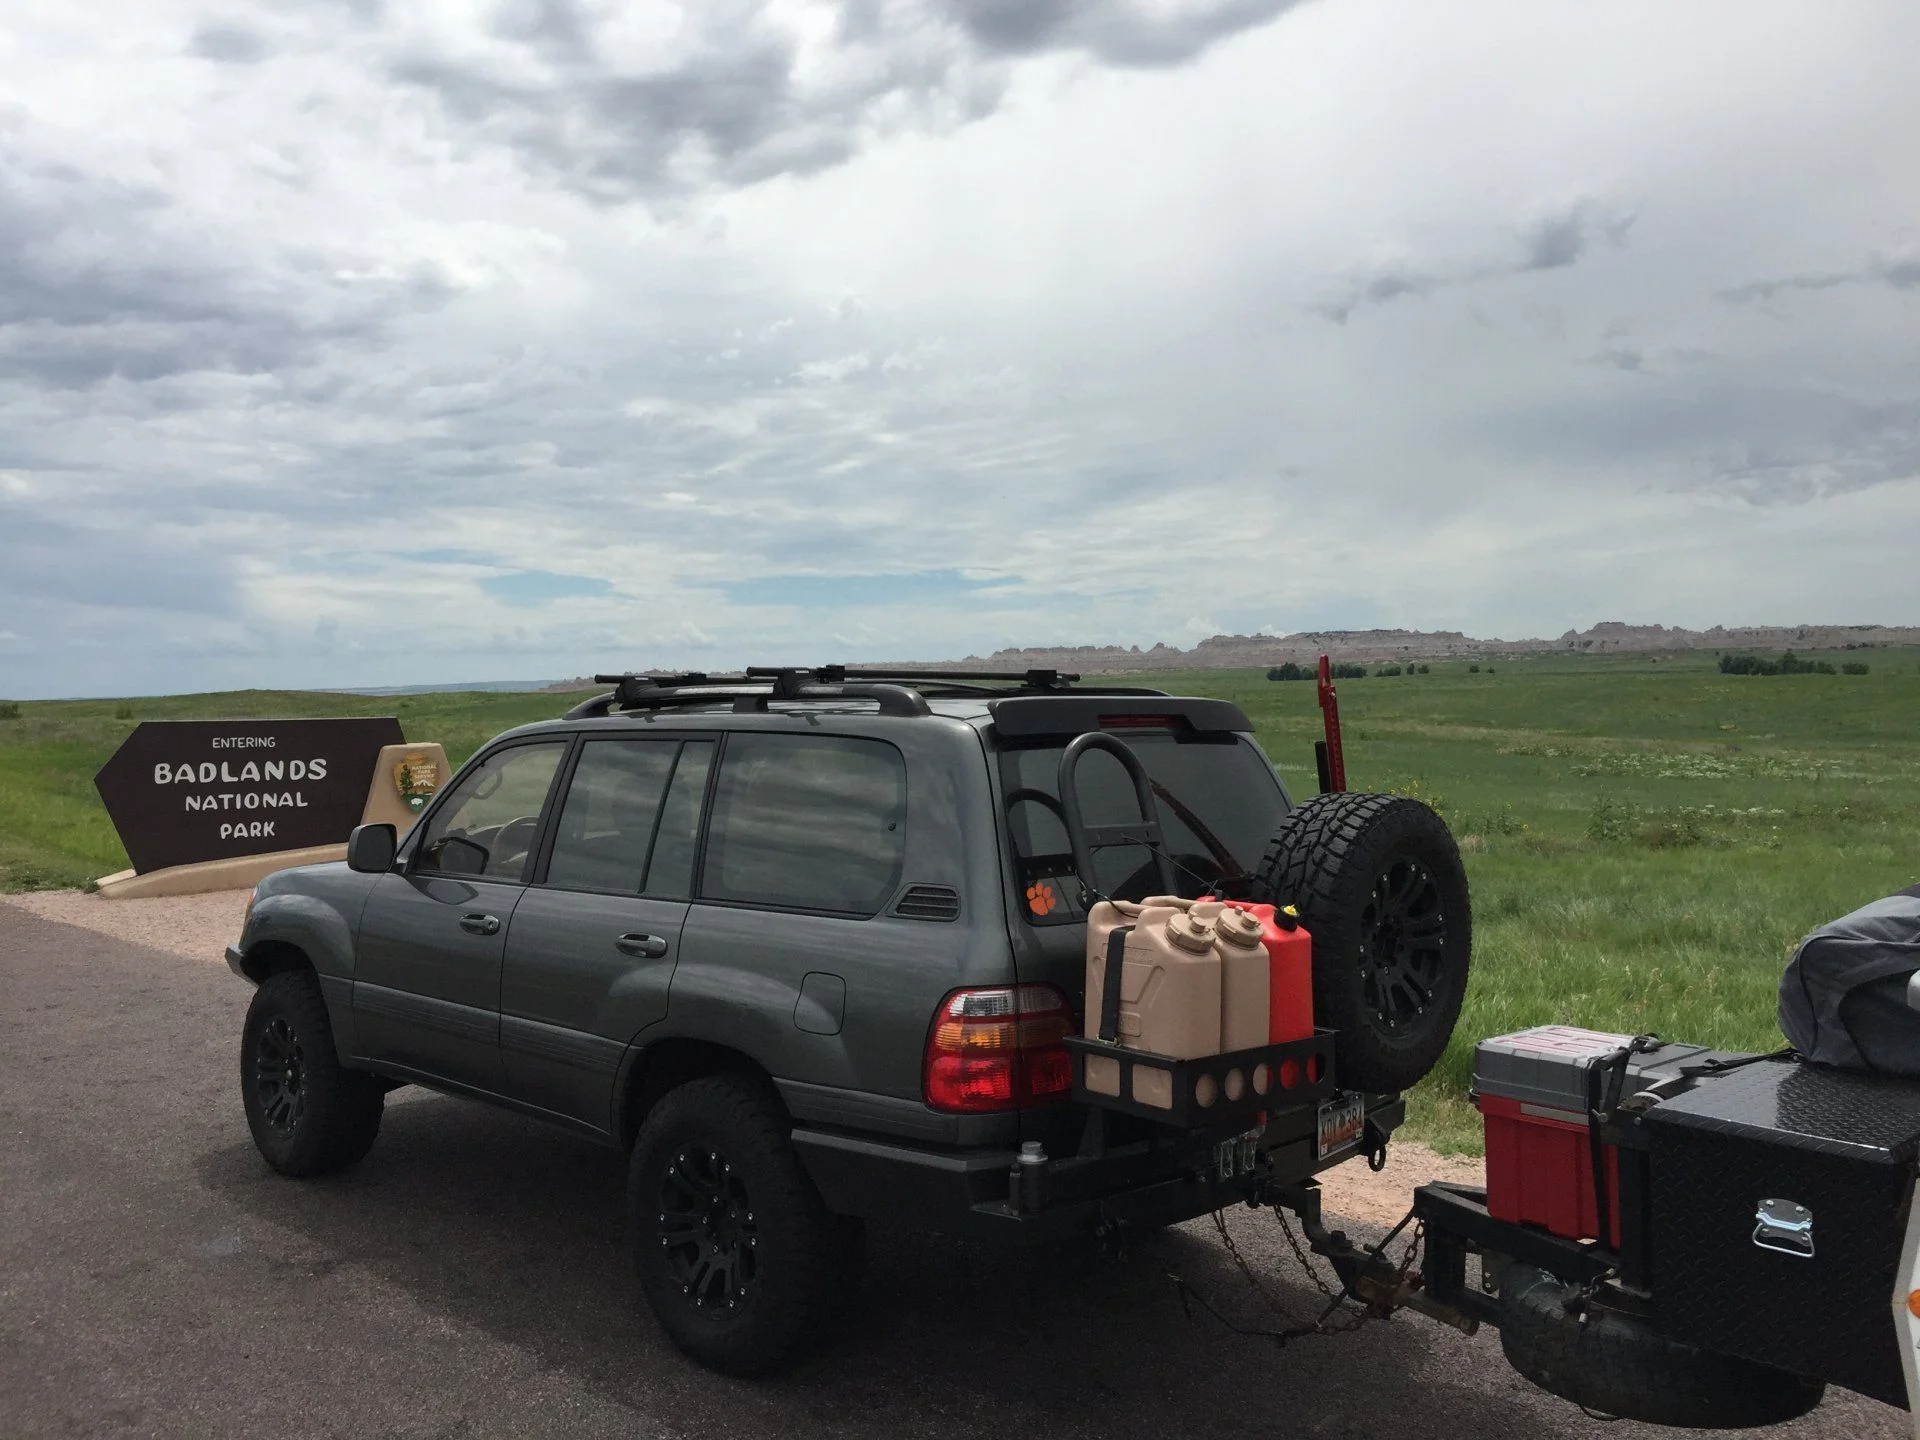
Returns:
point(361, 342)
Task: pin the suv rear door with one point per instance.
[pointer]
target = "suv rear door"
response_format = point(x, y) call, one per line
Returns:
point(791, 955)
point(594, 941)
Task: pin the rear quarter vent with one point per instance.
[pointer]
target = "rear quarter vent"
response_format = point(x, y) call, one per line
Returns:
point(928, 902)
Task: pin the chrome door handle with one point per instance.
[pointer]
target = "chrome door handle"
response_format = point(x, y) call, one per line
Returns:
point(641, 947)
point(478, 924)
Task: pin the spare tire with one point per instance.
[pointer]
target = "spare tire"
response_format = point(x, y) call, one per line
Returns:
point(1379, 886)
point(1615, 1362)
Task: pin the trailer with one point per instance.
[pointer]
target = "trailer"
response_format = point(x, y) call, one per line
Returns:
point(1753, 1240)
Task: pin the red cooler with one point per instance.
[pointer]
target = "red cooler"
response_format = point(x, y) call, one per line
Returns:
point(1531, 1089)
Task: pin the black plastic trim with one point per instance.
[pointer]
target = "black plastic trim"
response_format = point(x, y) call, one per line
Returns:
point(466, 1021)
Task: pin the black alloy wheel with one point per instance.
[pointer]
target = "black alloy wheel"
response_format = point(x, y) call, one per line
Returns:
point(1403, 944)
point(280, 1076)
point(741, 1261)
point(708, 1230)
point(309, 1114)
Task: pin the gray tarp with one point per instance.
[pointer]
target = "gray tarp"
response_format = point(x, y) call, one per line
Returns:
point(1843, 1000)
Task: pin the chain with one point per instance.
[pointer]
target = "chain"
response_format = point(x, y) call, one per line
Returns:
point(1233, 1251)
point(1301, 1254)
point(1337, 1300)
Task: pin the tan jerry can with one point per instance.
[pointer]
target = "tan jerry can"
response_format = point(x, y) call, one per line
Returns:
point(1246, 980)
point(1170, 992)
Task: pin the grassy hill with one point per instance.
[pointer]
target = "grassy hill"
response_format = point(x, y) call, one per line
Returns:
point(1646, 837)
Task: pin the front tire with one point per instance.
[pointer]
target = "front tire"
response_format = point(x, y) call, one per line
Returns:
point(1380, 888)
point(309, 1114)
point(739, 1258)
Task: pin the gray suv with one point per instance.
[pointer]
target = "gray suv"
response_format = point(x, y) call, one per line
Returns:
point(808, 945)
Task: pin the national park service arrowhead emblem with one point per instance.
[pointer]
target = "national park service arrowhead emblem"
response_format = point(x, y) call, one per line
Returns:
point(416, 778)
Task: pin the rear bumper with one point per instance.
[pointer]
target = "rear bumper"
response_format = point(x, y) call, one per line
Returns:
point(973, 1191)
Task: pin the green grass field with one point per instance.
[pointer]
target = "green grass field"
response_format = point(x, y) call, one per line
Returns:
point(1646, 838)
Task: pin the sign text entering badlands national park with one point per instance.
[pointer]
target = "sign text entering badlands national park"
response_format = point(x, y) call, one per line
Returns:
point(181, 791)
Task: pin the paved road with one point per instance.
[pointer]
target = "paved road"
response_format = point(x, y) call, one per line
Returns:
point(468, 1279)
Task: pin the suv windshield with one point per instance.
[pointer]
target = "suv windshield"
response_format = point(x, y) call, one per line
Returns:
point(1219, 803)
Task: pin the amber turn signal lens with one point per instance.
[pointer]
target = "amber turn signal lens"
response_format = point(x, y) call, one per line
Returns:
point(1913, 1303)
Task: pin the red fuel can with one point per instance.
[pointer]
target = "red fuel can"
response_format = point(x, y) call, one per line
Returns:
point(1290, 964)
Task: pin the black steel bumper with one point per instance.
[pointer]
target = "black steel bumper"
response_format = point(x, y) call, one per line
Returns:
point(987, 1192)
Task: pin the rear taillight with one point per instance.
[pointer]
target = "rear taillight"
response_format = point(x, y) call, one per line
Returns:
point(999, 1049)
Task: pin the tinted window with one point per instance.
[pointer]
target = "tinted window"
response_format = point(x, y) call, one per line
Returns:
point(1218, 799)
point(670, 876)
point(807, 822)
point(606, 826)
point(488, 824)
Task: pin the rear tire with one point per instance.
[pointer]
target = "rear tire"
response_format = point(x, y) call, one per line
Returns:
point(739, 1258)
point(1618, 1364)
point(309, 1114)
point(1380, 888)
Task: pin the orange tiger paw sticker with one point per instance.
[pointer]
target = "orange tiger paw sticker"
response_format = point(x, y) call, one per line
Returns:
point(1040, 898)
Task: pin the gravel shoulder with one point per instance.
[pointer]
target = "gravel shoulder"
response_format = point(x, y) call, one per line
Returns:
point(199, 927)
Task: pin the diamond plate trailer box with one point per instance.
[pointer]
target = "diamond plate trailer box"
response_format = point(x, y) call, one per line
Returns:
point(1531, 1089)
point(1779, 1204)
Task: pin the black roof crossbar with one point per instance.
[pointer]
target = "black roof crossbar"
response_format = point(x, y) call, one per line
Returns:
point(1037, 679)
point(895, 691)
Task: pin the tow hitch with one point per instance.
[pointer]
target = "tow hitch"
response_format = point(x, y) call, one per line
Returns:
point(1372, 1284)
point(1369, 1275)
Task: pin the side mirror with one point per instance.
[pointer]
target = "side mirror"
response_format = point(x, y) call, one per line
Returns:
point(370, 848)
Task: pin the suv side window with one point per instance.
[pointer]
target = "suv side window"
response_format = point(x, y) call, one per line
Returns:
point(606, 825)
point(807, 822)
point(487, 826)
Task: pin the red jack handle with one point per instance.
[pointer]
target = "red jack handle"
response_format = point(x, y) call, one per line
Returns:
point(1333, 761)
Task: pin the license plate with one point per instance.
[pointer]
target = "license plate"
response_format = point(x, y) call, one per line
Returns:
point(1342, 1122)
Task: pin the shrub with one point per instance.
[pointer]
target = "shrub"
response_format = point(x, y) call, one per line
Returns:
point(9, 709)
point(1673, 832)
point(1432, 799)
point(1503, 821)
point(123, 712)
point(1290, 671)
point(1853, 667)
point(1609, 822)
point(1787, 664)
point(1388, 670)
point(1424, 669)
point(1342, 670)
point(1473, 669)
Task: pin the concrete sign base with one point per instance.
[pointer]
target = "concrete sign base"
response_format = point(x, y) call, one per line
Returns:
point(403, 776)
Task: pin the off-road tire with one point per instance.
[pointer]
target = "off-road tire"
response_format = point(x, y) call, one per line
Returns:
point(778, 1265)
point(1618, 1364)
point(1390, 983)
point(309, 1114)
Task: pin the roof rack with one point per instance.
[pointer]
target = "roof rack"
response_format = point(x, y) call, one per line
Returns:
point(896, 691)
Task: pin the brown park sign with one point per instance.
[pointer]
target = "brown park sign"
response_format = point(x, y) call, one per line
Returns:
point(181, 791)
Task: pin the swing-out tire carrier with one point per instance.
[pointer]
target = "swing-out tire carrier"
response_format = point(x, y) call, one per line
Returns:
point(1164, 1179)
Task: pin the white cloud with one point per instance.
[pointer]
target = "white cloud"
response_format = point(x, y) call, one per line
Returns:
point(320, 323)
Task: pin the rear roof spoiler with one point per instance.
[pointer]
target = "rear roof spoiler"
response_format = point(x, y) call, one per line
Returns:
point(1020, 716)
